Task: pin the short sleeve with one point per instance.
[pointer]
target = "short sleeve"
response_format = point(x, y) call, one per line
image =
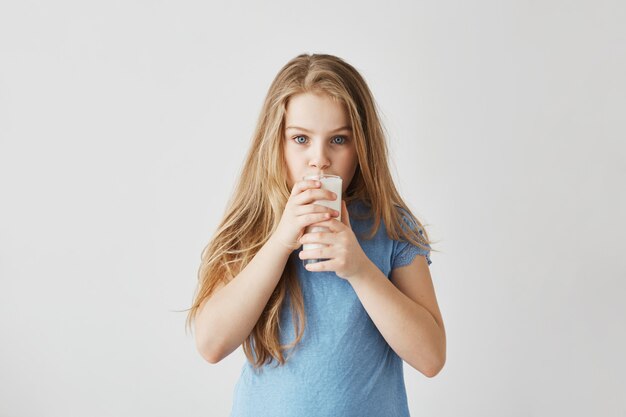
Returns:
point(404, 252)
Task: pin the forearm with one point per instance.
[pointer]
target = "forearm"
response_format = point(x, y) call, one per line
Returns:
point(410, 329)
point(228, 317)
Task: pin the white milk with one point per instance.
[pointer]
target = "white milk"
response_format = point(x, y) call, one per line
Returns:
point(332, 183)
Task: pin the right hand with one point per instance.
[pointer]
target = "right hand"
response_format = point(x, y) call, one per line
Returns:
point(300, 212)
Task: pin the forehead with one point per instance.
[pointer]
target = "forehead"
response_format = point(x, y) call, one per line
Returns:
point(316, 111)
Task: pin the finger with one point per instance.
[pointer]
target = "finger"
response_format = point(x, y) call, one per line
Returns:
point(314, 194)
point(315, 208)
point(313, 218)
point(301, 186)
point(345, 217)
point(333, 224)
point(318, 237)
point(320, 266)
point(317, 253)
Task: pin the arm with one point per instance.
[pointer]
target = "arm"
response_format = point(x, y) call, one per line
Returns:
point(405, 311)
point(228, 317)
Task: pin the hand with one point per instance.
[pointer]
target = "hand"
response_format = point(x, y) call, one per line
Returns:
point(300, 212)
point(343, 251)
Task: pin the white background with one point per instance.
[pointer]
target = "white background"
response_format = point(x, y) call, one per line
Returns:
point(123, 125)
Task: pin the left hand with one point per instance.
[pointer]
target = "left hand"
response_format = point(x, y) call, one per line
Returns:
point(343, 251)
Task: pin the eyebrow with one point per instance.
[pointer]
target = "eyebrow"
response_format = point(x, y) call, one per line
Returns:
point(348, 128)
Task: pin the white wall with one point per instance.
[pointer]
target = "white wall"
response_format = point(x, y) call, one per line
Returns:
point(123, 125)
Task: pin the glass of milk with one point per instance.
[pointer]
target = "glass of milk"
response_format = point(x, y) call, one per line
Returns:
point(332, 183)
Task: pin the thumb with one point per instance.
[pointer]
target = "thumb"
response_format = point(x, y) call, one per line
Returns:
point(345, 217)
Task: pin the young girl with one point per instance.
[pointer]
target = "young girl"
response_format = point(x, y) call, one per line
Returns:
point(328, 338)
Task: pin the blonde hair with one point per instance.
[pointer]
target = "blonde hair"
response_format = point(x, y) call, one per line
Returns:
point(256, 206)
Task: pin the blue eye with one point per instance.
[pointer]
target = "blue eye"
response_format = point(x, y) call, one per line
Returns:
point(342, 140)
point(298, 137)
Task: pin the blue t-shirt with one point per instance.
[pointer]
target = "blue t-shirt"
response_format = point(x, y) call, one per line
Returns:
point(342, 365)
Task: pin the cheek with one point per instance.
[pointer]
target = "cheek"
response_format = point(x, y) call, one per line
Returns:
point(290, 165)
point(351, 160)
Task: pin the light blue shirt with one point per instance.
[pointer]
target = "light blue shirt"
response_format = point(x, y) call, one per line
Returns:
point(342, 367)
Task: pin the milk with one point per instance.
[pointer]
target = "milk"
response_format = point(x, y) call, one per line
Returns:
point(334, 184)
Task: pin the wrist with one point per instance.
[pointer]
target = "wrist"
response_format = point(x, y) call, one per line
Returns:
point(368, 270)
point(279, 246)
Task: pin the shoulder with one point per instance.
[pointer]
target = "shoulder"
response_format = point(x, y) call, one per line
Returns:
point(407, 219)
point(410, 241)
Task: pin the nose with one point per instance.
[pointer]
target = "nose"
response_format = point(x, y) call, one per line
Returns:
point(319, 158)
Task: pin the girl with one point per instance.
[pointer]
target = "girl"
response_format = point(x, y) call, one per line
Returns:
point(328, 338)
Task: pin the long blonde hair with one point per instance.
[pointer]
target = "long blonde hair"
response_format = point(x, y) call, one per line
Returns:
point(256, 206)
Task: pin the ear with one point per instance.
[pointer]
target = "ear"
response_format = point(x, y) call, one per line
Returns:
point(345, 217)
